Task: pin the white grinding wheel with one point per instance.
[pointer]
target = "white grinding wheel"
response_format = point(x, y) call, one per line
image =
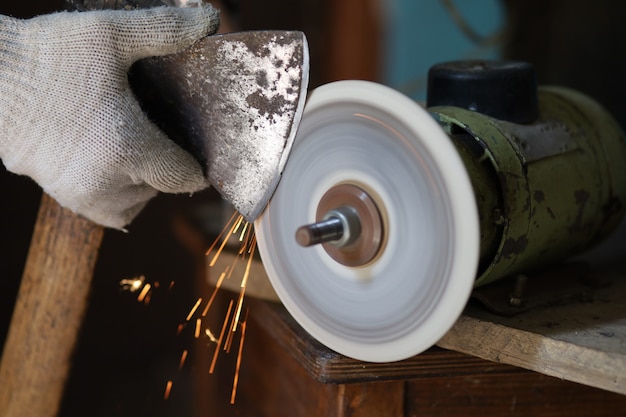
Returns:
point(405, 299)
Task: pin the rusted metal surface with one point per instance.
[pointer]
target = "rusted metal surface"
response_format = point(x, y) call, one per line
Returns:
point(559, 182)
point(234, 101)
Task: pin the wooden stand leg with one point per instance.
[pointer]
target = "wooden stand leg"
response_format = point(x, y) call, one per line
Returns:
point(48, 313)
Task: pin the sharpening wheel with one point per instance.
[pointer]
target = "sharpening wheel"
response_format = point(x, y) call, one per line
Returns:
point(395, 281)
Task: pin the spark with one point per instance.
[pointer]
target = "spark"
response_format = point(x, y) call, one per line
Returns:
point(242, 293)
point(246, 275)
point(219, 341)
point(231, 321)
point(215, 290)
point(244, 284)
point(198, 327)
point(224, 240)
point(229, 341)
point(238, 224)
point(143, 293)
point(168, 389)
point(132, 284)
point(236, 316)
point(183, 358)
point(233, 394)
point(245, 242)
point(210, 335)
point(221, 248)
point(243, 232)
point(193, 309)
point(232, 266)
point(221, 234)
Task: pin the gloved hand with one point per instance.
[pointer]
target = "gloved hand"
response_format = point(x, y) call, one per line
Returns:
point(69, 120)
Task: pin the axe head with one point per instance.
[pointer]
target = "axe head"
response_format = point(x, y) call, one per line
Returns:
point(234, 101)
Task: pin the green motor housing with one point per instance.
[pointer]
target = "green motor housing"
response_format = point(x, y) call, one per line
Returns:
point(549, 180)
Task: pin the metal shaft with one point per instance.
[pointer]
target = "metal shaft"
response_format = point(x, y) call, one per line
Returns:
point(327, 230)
point(339, 227)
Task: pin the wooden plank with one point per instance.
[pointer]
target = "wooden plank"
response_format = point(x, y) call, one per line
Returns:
point(580, 339)
point(537, 352)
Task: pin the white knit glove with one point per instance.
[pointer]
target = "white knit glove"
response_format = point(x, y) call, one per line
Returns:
point(69, 120)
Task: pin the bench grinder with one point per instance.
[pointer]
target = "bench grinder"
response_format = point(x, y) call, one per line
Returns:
point(388, 214)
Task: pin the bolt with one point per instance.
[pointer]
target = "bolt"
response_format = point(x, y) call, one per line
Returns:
point(516, 298)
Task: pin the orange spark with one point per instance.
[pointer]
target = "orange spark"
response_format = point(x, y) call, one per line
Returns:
point(232, 320)
point(198, 327)
point(221, 233)
point(243, 232)
point(215, 290)
point(239, 221)
point(143, 293)
point(244, 284)
point(168, 389)
point(193, 309)
point(219, 251)
point(246, 240)
point(210, 335)
point(238, 366)
point(232, 266)
point(242, 293)
point(229, 340)
point(183, 358)
point(132, 284)
point(219, 341)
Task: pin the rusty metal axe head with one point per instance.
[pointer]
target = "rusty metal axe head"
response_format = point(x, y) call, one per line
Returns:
point(234, 101)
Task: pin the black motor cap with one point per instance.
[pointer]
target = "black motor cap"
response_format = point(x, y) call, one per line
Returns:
point(505, 90)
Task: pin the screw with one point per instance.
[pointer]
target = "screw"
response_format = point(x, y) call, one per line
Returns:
point(516, 298)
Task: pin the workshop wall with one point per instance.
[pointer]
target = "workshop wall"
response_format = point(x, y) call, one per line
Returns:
point(575, 43)
point(419, 34)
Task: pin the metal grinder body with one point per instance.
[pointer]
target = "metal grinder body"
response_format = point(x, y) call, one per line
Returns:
point(545, 190)
point(496, 178)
